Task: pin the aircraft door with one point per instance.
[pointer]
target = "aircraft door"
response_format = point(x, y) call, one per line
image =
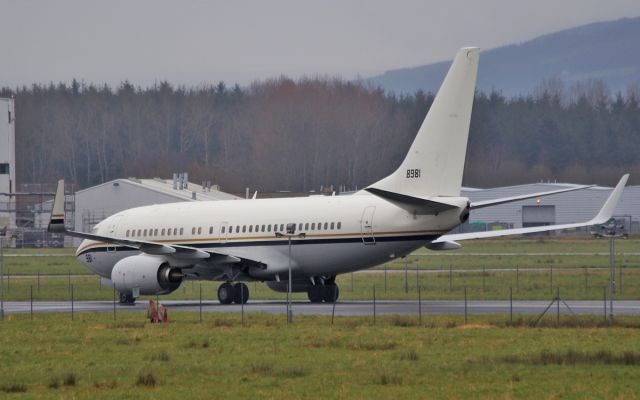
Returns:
point(366, 225)
point(224, 232)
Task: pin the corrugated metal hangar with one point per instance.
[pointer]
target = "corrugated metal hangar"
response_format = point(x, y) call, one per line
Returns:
point(92, 205)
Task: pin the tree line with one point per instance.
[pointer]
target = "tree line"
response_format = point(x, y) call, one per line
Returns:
point(282, 134)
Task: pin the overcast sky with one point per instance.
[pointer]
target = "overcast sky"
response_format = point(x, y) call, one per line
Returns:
point(193, 42)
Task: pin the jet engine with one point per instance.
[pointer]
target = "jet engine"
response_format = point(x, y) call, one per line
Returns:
point(151, 274)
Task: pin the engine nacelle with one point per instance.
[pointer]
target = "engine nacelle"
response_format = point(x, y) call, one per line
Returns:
point(151, 274)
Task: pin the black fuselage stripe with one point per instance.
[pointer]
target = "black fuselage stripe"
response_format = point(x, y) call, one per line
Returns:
point(210, 245)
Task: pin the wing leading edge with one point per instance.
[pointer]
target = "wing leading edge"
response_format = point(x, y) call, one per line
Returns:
point(605, 214)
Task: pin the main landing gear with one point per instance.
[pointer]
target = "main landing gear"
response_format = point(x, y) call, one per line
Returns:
point(328, 293)
point(233, 293)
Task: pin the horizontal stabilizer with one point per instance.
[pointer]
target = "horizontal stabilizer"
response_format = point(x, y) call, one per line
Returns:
point(493, 202)
point(605, 214)
point(416, 204)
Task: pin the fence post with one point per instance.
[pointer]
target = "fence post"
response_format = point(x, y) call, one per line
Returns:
point(72, 302)
point(385, 278)
point(200, 301)
point(586, 279)
point(419, 306)
point(406, 275)
point(551, 278)
point(483, 273)
point(31, 301)
point(450, 278)
point(465, 305)
point(510, 305)
point(69, 274)
point(558, 305)
point(374, 303)
point(517, 278)
point(604, 298)
point(333, 309)
point(417, 276)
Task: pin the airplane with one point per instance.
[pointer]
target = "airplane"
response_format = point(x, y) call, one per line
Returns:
point(151, 250)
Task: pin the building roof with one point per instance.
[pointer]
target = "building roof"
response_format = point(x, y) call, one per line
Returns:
point(165, 186)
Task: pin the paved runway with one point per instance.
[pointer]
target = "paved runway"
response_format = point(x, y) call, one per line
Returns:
point(346, 308)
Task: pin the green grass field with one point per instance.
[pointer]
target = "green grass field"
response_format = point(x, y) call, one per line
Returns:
point(94, 357)
point(575, 266)
point(565, 253)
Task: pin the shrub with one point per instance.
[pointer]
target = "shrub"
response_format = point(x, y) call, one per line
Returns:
point(146, 379)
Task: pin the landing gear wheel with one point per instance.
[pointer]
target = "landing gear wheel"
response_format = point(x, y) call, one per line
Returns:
point(127, 298)
point(315, 293)
point(331, 293)
point(241, 293)
point(226, 293)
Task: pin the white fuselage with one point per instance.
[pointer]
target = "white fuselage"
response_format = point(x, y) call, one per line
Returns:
point(342, 234)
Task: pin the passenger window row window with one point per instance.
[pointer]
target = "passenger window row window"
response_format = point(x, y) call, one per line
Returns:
point(279, 227)
point(244, 228)
point(154, 232)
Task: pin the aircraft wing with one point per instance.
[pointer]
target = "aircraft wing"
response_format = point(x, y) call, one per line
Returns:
point(56, 225)
point(494, 202)
point(605, 214)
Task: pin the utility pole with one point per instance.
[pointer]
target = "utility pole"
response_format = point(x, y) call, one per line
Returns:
point(291, 233)
point(612, 231)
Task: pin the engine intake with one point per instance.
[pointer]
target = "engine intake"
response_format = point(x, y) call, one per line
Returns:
point(150, 274)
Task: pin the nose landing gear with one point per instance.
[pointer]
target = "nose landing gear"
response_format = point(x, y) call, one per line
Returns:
point(127, 298)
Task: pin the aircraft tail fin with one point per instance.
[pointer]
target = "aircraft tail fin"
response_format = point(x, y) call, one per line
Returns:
point(435, 162)
point(56, 222)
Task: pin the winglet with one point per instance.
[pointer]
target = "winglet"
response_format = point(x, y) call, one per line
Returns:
point(56, 222)
point(606, 212)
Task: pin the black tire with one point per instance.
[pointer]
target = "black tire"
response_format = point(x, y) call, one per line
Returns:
point(127, 298)
point(226, 293)
point(315, 293)
point(240, 293)
point(331, 293)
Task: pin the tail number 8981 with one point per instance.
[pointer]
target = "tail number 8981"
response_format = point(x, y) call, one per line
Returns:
point(413, 173)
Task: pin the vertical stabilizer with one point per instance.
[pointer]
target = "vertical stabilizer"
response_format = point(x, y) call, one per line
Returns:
point(435, 162)
point(56, 222)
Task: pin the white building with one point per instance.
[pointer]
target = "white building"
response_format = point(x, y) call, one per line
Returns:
point(7, 164)
point(96, 203)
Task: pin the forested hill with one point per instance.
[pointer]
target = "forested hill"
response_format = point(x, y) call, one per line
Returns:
point(286, 135)
point(605, 51)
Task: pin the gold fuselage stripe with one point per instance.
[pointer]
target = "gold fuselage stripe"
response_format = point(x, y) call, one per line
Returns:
point(271, 237)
